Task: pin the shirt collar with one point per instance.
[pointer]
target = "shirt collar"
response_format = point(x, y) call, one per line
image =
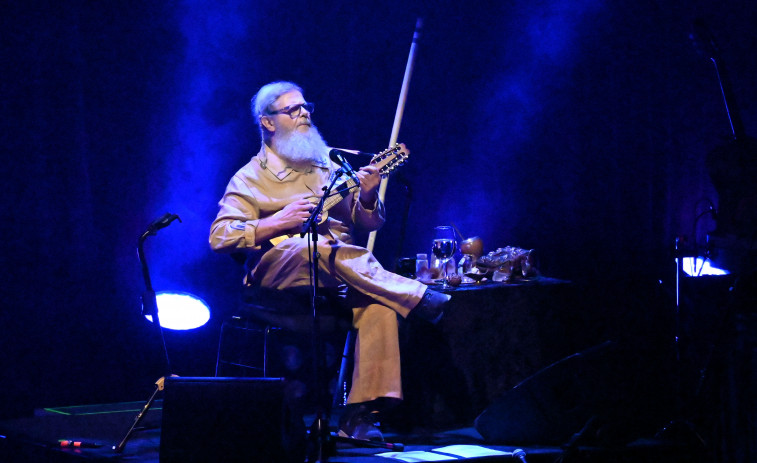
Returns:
point(263, 160)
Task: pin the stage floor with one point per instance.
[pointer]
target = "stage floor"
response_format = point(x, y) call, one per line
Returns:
point(103, 426)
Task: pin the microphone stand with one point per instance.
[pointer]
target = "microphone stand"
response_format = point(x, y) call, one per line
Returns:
point(149, 307)
point(320, 437)
point(149, 301)
point(679, 427)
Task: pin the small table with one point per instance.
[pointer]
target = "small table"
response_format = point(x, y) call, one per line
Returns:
point(493, 336)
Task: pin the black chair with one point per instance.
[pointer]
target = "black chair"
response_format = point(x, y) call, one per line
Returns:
point(266, 312)
point(251, 339)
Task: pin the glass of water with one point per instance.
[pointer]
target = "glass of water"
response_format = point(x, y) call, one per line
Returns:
point(444, 247)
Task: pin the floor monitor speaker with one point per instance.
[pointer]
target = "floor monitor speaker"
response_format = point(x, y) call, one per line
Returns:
point(228, 419)
point(548, 407)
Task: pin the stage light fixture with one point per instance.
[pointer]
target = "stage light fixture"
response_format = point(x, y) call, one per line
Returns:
point(700, 266)
point(180, 311)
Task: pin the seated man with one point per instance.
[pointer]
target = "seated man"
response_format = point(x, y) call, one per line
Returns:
point(273, 195)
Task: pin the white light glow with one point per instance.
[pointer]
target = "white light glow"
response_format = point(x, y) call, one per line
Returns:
point(181, 311)
point(699, 266)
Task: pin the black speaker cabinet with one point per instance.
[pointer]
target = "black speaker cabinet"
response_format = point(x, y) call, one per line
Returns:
point(551, 406)
point(230, 420)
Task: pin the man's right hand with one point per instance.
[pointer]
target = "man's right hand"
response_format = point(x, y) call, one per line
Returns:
point(288, 220)
point(293, 215)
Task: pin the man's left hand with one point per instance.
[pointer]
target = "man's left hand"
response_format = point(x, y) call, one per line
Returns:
point(370, 178)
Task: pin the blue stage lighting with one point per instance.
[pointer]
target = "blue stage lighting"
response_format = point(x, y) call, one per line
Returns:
point(180, 311)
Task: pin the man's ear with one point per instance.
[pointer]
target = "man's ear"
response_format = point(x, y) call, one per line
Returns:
point(267, 123)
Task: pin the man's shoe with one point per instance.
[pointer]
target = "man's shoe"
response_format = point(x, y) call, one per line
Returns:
point(431, 307)
point(358, 422)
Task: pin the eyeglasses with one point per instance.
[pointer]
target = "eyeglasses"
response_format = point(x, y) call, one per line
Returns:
point(294, 111)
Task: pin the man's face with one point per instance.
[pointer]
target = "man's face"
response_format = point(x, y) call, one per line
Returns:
point(291, 133)
point(289, 114)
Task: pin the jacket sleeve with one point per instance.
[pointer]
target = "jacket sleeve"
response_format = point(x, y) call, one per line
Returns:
point(235, 226)
point(367, 219)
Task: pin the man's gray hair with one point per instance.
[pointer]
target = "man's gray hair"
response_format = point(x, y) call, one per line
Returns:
point(260, 103)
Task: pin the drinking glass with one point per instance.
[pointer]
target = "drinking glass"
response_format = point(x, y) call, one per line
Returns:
point(444, 247)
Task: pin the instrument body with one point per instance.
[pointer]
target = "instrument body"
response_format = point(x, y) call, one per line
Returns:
point(386, 161)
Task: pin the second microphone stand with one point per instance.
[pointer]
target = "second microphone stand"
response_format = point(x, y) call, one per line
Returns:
point(149, 307)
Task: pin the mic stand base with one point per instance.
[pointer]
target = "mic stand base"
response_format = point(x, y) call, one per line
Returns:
point(159, 385)
point(319, 440)
point(323, 442)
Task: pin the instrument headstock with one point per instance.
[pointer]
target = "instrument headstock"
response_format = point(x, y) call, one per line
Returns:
point(391, 158)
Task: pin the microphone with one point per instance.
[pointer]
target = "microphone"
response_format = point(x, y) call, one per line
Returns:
point(520, 454)
point(355, 152)
point(703, 40)
point(337, 156)
point(162, 222)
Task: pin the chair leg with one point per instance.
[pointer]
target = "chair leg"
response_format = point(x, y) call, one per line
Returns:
point(220, 344)
point(235, 332)
point(268, 330)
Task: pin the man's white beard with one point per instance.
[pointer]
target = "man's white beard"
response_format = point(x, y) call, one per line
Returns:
point(301, 149)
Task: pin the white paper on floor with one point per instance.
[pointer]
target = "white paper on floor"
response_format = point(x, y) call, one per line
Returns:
point(449, 453)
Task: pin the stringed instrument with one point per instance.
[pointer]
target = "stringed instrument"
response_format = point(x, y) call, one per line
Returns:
point(386, 161)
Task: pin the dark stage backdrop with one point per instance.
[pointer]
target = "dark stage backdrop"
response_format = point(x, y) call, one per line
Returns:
point(578, 128)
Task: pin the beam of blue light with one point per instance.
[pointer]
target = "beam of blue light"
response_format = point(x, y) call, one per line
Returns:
point(201, 139)
point(181, 311)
